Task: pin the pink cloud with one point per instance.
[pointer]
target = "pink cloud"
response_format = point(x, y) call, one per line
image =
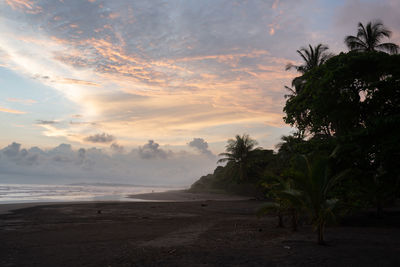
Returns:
point(22, 101)
point(24, 5)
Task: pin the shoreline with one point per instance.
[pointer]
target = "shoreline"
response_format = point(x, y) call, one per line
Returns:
point(167, 196)
point(11, 207)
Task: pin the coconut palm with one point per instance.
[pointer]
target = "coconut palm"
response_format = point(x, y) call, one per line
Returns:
point(238, 153)
point(312, 57)
point(369, 38)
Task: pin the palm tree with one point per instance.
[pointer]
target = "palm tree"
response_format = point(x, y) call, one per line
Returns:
point(277, 191)
point(369, 38)
point(312, 57)
point(238, 153)
point(290, 142)
point(313, 183)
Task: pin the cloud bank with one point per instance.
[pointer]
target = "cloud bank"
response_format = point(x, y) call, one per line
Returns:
point(149, 164)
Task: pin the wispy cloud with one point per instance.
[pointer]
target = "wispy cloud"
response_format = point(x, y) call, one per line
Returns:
point(12, 111)
point(163, 70)
point(22, 101)
point(76, 81)
point(20, 4)
point(28, 6)
point(46, 122)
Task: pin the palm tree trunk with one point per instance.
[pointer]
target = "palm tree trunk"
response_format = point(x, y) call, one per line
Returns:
point(379, 208)
point(295, 219)
point(321, 229)
point(280, 217)
point(241, 171)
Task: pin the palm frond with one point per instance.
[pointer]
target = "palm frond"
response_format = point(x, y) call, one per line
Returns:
point(369, 38)
point(290, 66)
point(390, 47)
point(355, 43)
point(292, 92)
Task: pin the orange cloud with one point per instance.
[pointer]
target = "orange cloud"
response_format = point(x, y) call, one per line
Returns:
point(113, 15)
point(271, 31)
point(76, 81)
point(275, 4)
point(20, 4)
point(225, 57)
point(13, 111)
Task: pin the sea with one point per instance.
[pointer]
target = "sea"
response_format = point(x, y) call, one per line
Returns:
point(30, 193)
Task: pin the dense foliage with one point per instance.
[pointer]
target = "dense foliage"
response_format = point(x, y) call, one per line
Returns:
point(354, 101)
point(345, 154)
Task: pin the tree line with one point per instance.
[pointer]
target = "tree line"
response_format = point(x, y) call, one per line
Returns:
point(345, 152)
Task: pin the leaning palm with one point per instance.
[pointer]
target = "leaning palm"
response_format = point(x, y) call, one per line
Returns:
point(238, 152)
point(369, 38)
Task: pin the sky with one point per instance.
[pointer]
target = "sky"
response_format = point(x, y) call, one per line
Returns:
point(149, 91)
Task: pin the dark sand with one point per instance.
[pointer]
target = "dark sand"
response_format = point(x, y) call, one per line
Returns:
point(183, 195)
point(193, 233)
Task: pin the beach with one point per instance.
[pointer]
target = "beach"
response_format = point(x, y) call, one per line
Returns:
point(208, 230)
point(185, 195)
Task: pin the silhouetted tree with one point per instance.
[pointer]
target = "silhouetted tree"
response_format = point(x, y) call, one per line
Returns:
point(238, 153)
point(312, 58)
point(369, 38)
point(355, 99)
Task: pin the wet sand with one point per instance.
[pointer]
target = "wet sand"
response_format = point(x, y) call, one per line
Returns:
point(187, 233)
point(167, 196)
point(7, 208)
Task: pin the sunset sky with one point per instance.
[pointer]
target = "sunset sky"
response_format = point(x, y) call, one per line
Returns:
point(186, 74)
